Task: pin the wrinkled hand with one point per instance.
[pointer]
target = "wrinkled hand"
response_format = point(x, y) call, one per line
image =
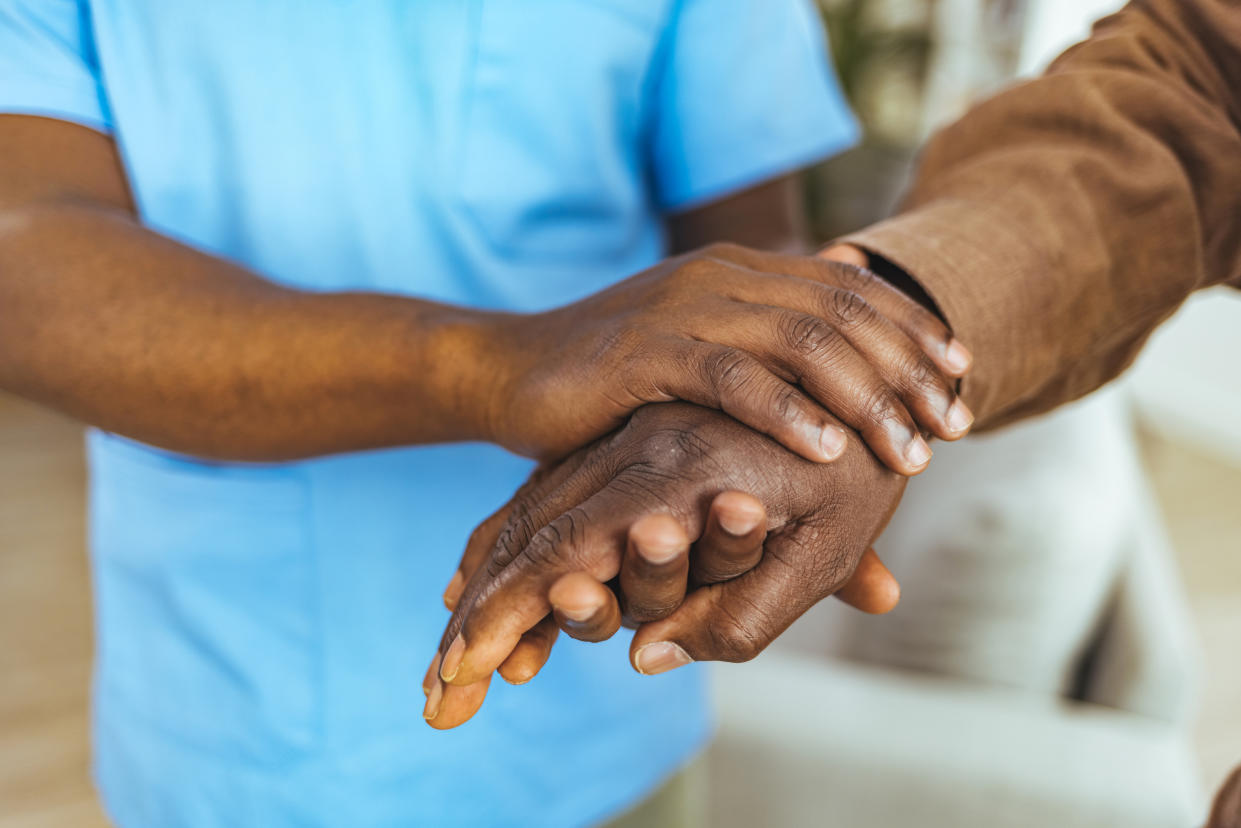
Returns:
point(675, 460)
point(776, 341)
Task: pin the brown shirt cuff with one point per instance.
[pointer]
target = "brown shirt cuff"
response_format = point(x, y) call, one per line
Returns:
point(978, 273)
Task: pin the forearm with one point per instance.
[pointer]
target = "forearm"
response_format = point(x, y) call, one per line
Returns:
point(1059, 223)
point(139, 335)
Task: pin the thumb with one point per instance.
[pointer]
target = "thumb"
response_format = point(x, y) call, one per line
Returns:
point(736, 620)
point(872, 589)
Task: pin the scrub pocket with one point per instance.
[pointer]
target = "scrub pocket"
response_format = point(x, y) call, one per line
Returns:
point(206, 602)
point(552, 163)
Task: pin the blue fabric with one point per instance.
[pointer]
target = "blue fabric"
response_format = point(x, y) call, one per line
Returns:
point(263, 630)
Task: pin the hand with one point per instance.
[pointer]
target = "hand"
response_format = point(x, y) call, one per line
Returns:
point(673, 459)
point(656, 572)
point(738, 330)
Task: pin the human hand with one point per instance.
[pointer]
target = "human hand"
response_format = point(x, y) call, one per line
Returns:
point(660, 565)
point(672, 459)
point(738, 330)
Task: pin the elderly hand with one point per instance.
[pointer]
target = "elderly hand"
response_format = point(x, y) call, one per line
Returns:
point(674, 460)
point(776, 341)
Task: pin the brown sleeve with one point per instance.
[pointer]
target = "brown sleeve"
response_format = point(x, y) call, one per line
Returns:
point(1058, 223)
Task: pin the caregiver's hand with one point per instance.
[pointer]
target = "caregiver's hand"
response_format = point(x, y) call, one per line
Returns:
point(776, 341)
point(673, 459)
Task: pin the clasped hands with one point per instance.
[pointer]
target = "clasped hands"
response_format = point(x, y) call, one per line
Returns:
point(732, 497)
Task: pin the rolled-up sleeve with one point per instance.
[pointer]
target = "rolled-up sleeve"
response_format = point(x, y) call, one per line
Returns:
point(48, 65)
point(744, 92)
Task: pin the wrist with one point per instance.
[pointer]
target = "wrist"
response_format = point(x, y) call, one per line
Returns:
point(457, 366)
point(503, 349)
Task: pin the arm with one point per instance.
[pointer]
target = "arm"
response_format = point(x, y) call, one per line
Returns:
point(138, 334)
point(575, 523)
point(135, 333)
point(1059, 223)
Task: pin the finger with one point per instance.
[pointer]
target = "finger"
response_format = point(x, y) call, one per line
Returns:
point(584, 608)
point(836, 375)
point(929, 392)
point(531, 652)
point(588, 538)
point(448, 706)
point(531, 508)
point(732, 542)
point(735, 382)
point(872, 589)
point(477, 548)
point(919, 323)
point(809, 326)
point(898, 300)
point(655, 568)
point(735, 620)
point(483, 539)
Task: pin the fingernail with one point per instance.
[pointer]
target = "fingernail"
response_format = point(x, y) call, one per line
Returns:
point(432, 675)
point(958, 357)
point(433, 702)
point(579, 614)
point(918, 453)
point(738, 525)
point(657, 554)
point(959, 417)
point(452, 659)
point(452, 593)
point(832, 442)
point(660, 657)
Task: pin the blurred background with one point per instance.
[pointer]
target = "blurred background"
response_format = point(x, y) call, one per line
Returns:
point(1092, 680)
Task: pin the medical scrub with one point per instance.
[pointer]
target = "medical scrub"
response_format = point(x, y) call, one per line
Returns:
point(263, 630)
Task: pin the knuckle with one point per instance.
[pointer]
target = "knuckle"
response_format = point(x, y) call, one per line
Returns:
point(849, 308)
point(853, 277)
point(649, 608)
point(789, 403)
point(545, 548)
point(883, 405)
point(923, 376)
point(560, 544)
point(722, 250)
point(809, 335)
point(734, 641)
point(700, 269)
point(514, 537)
point(665, 450)
point(714, 571)
point(730, 370)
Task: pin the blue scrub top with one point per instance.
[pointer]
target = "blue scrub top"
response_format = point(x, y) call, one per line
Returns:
point(263, 630)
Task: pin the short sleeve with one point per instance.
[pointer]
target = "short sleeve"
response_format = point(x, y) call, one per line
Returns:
point(745, 92)
point(48, 64)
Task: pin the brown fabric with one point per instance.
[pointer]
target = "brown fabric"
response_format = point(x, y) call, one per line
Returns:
point(1058, 223)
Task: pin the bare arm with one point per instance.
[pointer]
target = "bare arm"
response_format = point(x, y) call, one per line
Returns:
point(133, 332)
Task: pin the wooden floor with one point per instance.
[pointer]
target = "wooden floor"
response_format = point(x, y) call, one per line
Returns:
point(45, 612)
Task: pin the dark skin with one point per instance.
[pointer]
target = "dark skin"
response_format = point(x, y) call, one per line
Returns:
point(135, 333)
point(106, 320)
point(574, 529)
